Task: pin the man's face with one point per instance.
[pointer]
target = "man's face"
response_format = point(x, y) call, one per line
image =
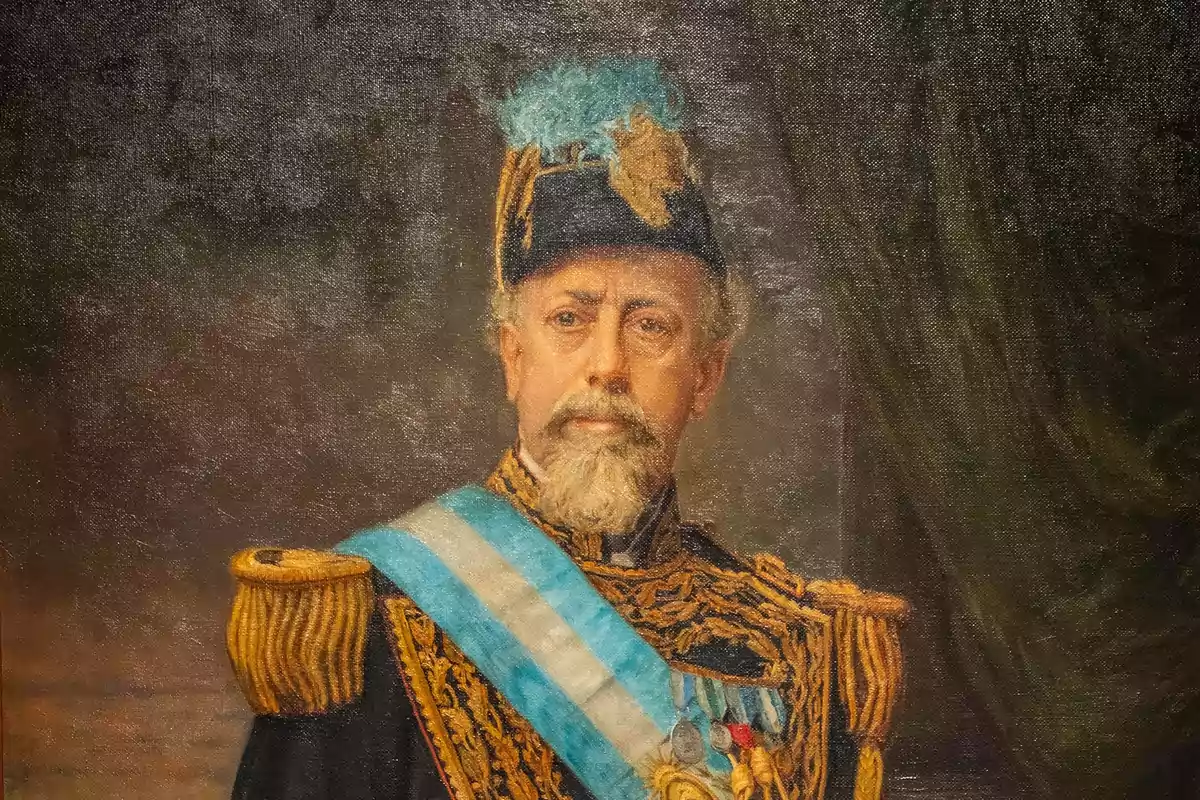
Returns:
point(608, 353)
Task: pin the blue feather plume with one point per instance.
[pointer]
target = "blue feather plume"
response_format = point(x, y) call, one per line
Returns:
point(569, 102)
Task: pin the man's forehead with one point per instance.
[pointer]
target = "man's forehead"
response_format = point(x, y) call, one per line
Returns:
point(595, 277)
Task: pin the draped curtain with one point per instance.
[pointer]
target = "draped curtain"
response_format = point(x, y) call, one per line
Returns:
point(1004, 202)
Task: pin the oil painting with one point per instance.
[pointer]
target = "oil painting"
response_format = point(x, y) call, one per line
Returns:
point(613, 400)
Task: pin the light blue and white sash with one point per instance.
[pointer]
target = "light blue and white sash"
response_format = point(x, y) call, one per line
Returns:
point(527, 617)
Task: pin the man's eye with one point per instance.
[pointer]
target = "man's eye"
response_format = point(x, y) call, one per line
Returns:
point(566, 319)
point(652, 326)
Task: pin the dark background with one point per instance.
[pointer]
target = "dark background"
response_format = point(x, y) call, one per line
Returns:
point(244, 262)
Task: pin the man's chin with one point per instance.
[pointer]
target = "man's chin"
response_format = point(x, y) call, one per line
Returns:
point(582, 439)
point(597, 481)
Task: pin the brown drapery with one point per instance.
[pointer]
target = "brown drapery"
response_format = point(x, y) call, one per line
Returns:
point(1004, 198)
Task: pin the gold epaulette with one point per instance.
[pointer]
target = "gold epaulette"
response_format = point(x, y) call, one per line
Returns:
point(843, 594)
point(773, 571)
point(870, 668)
point(298, 628)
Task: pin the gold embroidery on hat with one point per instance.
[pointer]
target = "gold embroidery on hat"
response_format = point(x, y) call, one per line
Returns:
point(513, 198)
point(650, 163)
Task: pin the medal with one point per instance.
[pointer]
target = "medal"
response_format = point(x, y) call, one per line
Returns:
point(687, 745)
point(720, 738)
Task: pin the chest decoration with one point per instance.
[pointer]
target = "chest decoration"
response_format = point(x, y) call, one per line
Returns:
point(521, 657)
point(697, 640)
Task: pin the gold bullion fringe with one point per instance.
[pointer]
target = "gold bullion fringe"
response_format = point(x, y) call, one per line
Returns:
point(296, 643)
point(868, 781)
point(866, 627)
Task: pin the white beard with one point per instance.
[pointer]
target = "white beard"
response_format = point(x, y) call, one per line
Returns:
point(600, 482)
point(597, 484)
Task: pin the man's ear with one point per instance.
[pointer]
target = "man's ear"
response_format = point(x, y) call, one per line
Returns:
point(710, 377)
point(510, 358)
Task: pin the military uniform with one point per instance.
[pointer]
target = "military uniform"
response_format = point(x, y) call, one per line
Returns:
point(359, 696)
point(474, 650)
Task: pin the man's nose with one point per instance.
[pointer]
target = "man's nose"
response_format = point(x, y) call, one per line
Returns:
point(608, 368)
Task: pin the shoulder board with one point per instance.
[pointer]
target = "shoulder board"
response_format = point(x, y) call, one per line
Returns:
point(833, 595)
point(298, 628)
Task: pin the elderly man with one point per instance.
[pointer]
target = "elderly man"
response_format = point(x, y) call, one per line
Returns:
point(560, 632)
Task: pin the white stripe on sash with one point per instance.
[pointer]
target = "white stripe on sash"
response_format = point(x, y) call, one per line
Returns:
point(550, 642)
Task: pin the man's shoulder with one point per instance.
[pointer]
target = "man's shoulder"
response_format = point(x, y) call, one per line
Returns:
point(826, 594)
point(298, 628)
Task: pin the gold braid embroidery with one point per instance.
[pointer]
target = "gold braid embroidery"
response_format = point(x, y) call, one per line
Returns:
point(424, 674)
point(485, 747)
point(687, 602)
point(681, 603)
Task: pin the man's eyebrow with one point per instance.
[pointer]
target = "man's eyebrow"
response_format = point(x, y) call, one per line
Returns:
point(587, 298)
point(596, 298)
point(640, 302)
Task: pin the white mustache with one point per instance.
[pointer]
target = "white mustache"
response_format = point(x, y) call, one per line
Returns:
point(601, 405)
